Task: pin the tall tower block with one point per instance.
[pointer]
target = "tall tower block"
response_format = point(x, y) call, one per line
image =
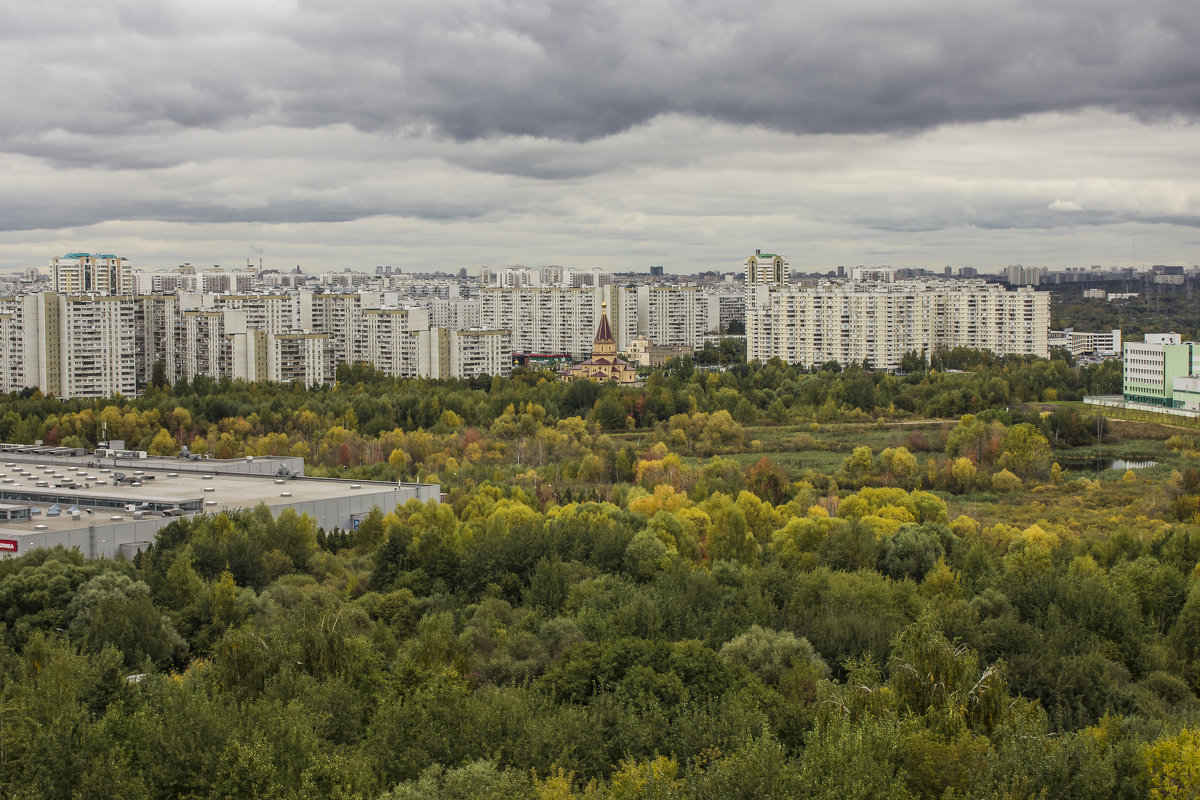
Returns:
point(766, 269)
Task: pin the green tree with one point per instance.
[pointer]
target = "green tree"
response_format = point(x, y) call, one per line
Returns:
point(771, 655)
point(113, 609)
point(859, 466)
point(899, 466)
point(158, 375)
point(909, 553)
point(609, 412)
point(370, 532)
point(1006, 482)
point(1025, 451)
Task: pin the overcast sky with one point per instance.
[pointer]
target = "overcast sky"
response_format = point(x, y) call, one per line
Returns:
point(456, 133)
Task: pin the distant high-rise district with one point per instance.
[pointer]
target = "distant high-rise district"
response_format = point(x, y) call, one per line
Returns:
point(97, 327)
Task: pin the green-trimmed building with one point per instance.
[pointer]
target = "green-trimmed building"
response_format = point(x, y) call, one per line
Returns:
point(1153, 366)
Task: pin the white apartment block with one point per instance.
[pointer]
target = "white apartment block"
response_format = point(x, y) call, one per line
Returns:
point(349, 279)
point(666, 315)
point(766, 269)
point(454, 313)
point(78, 345)
point(545, 320)
point(873, 274)
point(466, 354)
point(390, 340)
point(97, 343)
point(156, 318)
point(12, 346)
point(723, 308)
point(212, 281)
point(79, 273)
point(297, 358)
point(411, 286)
point(880, 322)
point(203, 344)
point(338, 316)
point(518, 278)
point(674, 316)
point(160, 282)
point(1104, 344)
point(275, 312)
point(586, 277)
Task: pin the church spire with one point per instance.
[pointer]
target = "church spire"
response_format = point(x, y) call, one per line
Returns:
point(604, 344)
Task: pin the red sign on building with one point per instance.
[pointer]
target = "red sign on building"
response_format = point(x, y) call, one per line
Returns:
point(8, 545)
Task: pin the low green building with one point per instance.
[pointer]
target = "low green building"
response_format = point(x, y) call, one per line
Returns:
point(1152, 367)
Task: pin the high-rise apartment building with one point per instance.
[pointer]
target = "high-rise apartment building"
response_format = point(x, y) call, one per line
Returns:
point(156, 318)
point(543, 320)
point(456, 313)
point(674, 316)
point(722, 308)
point(338, 316)
point(766, 269)
point(12, 345)
point(878, 322)
point(465, 354)
point(390, 339)
point(79, 345)
point(78, 273)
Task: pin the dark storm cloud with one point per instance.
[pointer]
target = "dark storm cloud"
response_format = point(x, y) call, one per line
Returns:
point(582, 70)
point(521, 129)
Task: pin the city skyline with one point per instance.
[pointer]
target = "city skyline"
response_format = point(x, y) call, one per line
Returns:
point(435, 136)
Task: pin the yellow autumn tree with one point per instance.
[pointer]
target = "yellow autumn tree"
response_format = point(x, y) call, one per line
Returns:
point(1173, 765)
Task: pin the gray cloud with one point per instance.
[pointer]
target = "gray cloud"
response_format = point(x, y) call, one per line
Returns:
point(670, 132)
point(578, 71)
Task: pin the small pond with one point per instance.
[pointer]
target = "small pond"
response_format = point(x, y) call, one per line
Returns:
point(1103, 463)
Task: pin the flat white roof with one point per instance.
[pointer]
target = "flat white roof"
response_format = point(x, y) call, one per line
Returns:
point(227, 492)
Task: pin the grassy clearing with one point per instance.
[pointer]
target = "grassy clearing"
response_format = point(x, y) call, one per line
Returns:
point(1081, 503)
point(795, 462)
point(1150, 418)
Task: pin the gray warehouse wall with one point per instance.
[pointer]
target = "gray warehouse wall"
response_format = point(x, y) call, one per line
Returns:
point(97, 536)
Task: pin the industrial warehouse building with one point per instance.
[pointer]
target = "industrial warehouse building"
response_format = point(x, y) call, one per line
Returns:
point(114, 501)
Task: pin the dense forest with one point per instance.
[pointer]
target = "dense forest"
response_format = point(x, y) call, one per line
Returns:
point(758, 582)
point(1156, 309)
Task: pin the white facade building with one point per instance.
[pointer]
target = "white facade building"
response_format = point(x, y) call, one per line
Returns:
point(1104, 344)
point(766, 269)
point(78, 273)
point(466, 354)
point(723, 308)
point(879, 322)
point(1153, 366)
point(390, 340)
point(674, 316)
point(544, 321)
point(454, 313)
point(78, 345)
